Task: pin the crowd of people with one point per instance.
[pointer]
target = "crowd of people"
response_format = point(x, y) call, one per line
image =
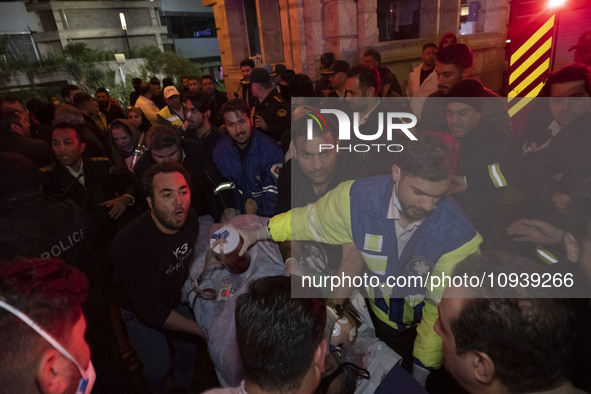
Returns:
point(120, 195)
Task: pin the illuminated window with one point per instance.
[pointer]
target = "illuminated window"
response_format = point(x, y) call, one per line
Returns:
point(469, 17)
point(190, 26)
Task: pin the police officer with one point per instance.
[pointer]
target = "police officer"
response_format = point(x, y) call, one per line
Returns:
point(271, 112)
point(92, 184)
point(338, 78)
point(31, 226)
point(276, 73)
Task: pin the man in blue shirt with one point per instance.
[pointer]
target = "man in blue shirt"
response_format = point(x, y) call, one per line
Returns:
point(250, 159)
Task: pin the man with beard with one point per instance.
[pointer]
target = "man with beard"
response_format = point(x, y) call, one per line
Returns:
point(422, 81)
point(453, 64)
point(37, 130)
point(402, 225)
point(244, 91)
point(198, 119)
point(157, 96)
point(250, 159)
point(107, 105)
point(211, 194)
point(193, 87)
point(15, 136)
point(361, 89)
point(313, 172)
point(217, 98)
point(152, 256)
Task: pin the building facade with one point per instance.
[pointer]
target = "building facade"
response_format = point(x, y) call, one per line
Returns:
point(297, 32)
point(98, 25)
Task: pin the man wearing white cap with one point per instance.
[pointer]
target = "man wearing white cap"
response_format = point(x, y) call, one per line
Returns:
point(174, 112)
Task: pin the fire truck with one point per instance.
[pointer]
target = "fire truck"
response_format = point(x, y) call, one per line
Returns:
point(542, 36)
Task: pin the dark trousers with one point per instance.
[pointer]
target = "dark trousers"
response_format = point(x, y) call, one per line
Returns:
point(402, 342)
point(153, 347)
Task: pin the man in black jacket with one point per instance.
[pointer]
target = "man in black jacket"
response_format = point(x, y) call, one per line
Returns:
point(486, 156)
point(15, 137)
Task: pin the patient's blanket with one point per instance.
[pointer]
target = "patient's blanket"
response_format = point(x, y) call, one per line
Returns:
point(216, 317)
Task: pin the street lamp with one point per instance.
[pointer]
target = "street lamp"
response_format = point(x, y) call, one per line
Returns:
point(556, 3)
point(124, 27)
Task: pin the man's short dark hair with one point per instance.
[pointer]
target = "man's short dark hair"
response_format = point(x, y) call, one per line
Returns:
point(368, 77)
point(457, 54)
point(201, 101)
point(67, 89)
point(277, 335)
point(570, 73)
point(102, 90)
point(65, 125)
point(154, 81)
point(194, 78)
point(12, 99)
point(8, 117)
point(433, 157)
point(48, 291)
point(234, 106)
point(81, 100)
point(144, 88)
point(162, 168)
point(68, 113)
point(375, 55)
point(161, 136)
point(167, 82)
point(247, 63)
point(537, 332)
point(429, 45)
